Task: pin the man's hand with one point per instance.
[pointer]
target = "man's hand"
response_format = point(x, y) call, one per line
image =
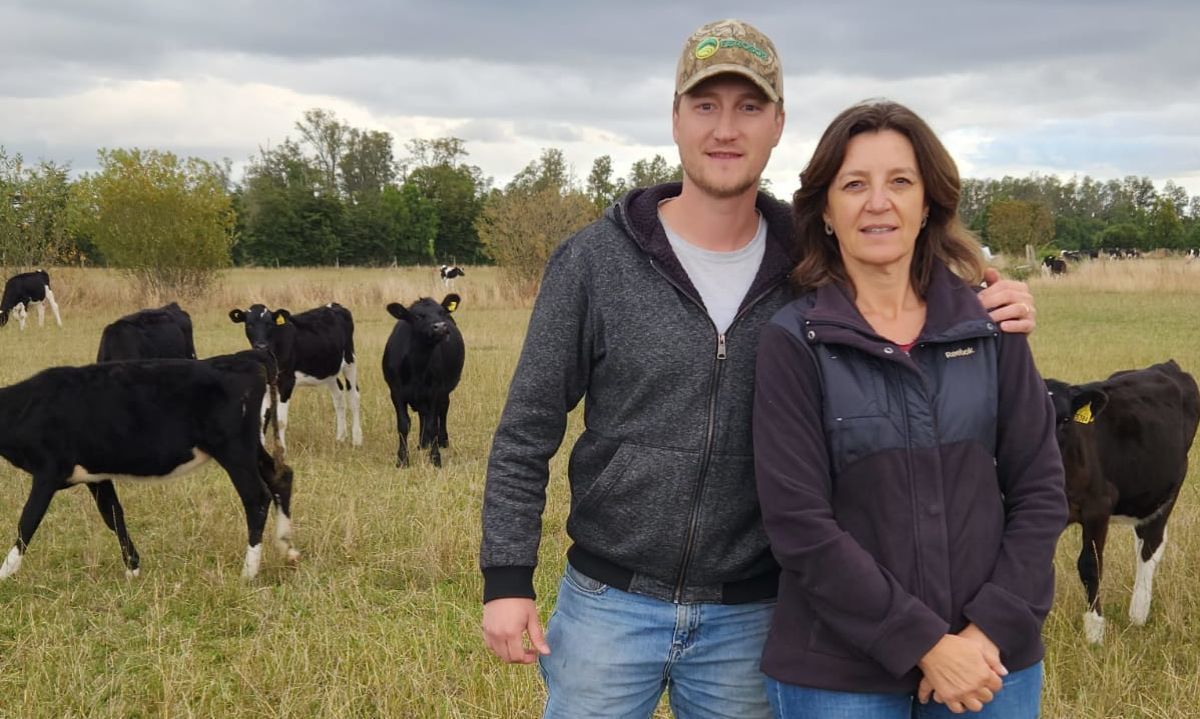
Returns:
point(958, 674)
point(506, 622)
point(1008, 302)
point(991, 654)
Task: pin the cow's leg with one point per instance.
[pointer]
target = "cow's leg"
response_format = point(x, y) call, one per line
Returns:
point(1149, 539)
point(339, 404)
point(1091, 570)
point(286, 384)
point(53, 306)
point(41, 308)
point(425, 417)
point(403, 425)
point(105, 495)
point(241, 462)
point(443, 409)
point(40, 494)
point(350, 372)
point(20, 312)
point(434, 427)
point(278, 478)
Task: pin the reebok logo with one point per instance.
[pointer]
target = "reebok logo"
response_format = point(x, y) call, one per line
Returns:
point(964, 352)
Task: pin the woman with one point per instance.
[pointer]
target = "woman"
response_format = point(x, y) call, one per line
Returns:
point(909, 478)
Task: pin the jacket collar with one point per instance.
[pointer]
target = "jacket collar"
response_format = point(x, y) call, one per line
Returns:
point(952, 311)
point(637, 214)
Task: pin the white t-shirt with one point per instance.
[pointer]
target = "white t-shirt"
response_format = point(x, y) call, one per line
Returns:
point(721, 278)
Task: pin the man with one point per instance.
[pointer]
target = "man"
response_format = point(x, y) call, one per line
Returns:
point(652, 314)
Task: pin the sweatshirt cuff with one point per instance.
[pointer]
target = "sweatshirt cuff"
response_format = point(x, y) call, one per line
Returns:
point(503, 582)
point(1005, 618)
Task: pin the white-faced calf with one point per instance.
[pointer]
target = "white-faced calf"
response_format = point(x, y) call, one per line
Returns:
point(1125, 443)
point(312, 348)
point(422, 363)
point(145, 420)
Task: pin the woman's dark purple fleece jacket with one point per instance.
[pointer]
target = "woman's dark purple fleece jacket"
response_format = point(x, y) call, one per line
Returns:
point(903, 495)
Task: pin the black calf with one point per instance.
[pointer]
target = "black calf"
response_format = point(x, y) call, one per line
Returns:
point(145, 419)
point(163, 333)
point(422, 364)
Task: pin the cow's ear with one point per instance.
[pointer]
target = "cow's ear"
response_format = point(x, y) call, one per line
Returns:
point(399, 311)
point(451, 302)
point(237, 316)
point(1087, 405)
point(282, 317)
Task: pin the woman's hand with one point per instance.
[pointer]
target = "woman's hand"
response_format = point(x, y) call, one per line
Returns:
point(958, 674)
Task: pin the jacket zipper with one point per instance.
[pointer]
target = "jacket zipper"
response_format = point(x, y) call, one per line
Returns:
point(706, 457)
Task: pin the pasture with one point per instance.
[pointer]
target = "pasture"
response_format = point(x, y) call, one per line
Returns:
point(381, 615)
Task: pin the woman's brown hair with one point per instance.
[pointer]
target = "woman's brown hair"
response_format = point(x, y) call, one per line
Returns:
point(943, 238)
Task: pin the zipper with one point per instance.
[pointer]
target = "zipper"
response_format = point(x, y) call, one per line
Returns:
point(912, 482)
point(710, 432)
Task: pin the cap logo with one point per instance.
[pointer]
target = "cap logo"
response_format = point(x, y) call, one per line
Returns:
point(707, 48)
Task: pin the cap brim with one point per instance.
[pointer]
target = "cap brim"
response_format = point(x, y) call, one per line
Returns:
point(729, 69)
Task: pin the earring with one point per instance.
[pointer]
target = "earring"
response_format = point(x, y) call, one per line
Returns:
point(829, 229)
point(924, 221)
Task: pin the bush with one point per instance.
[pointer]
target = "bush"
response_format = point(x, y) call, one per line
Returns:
point(167, 222)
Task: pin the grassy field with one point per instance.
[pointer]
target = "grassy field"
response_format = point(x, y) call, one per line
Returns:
point(381, 615)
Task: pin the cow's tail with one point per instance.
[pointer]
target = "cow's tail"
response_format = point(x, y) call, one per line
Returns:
point(272, 419)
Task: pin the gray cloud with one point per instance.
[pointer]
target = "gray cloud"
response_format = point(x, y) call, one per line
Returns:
point(1027, 80)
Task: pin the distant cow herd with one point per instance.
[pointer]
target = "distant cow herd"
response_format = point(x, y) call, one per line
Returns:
point(1055, 265)
point(150, 410)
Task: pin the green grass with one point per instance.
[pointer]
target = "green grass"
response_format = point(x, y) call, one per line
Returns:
point(381, 615)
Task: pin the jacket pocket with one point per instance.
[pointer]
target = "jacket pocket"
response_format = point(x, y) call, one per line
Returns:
point(853, 438)
point(600, 484)
point(634, 513)
point(823, 640)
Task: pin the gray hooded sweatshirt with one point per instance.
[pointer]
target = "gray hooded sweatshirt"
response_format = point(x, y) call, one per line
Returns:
point(663, 498)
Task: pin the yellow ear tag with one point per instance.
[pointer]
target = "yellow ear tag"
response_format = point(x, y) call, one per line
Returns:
point(1083, 415)
point(280, 320)
point(452, 306)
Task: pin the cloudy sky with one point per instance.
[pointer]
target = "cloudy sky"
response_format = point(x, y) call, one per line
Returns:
point(1096, 87)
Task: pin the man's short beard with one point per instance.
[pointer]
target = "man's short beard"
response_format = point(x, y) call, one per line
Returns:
point(721, 193)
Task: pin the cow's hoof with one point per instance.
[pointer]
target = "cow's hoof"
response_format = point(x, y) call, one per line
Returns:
point(1093, 627)
point(133, 573)
point(293, 555)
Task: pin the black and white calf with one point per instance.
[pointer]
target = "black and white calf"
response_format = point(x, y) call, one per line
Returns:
point(1125, 443)
point(28, 288)
point(1054, 266)
point(422, 363)
point(449, 272)
point(312, 348)
point(145, 420)
point(163, 333)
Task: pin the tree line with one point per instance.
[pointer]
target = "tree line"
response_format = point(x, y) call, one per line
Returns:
point(337, 194)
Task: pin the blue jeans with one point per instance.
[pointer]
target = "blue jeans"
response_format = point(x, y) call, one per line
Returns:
point(613, 653)
point(1020, 698)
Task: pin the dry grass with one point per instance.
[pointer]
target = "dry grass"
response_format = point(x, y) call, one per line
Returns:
point(380, 618)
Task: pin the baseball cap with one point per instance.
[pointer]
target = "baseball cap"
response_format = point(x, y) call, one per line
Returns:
point(730, 46)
